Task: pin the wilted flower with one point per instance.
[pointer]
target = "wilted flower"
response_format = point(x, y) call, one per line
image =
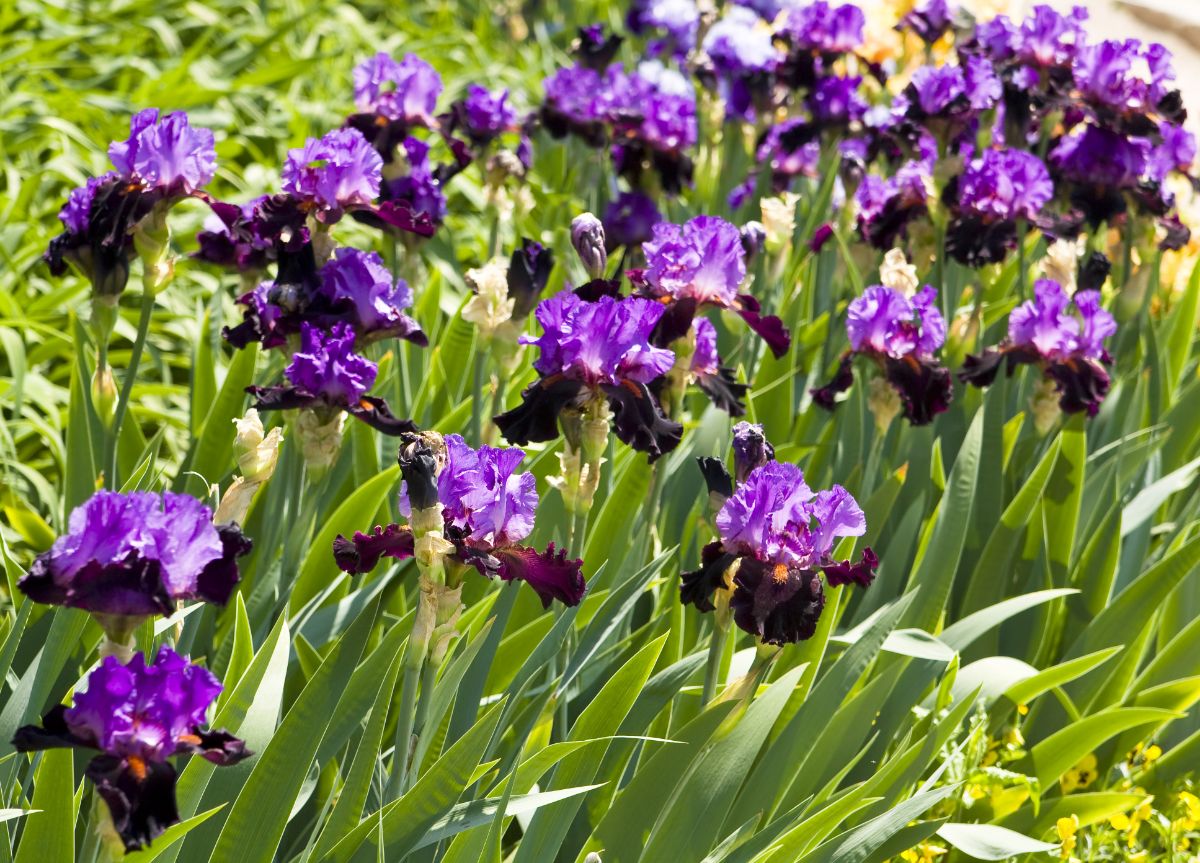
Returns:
point(128, 556)
point(594, 354)
point(776, 542)
point(1067, 345)
point(488, 509)
point(326, 376)
point(138, 716)
point(490, 304)
point(902, 337)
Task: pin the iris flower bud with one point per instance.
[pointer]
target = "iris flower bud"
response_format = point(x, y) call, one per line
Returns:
point(587, 236)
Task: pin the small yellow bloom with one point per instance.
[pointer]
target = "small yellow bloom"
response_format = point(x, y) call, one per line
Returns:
point(1067, 828)
point(1081, 775)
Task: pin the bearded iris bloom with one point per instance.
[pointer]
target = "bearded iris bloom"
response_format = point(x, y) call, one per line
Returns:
point(774, 554)
point(996, 191)
point(901, 336)
point(126, 557)
point(884, 208)
point(488, 509)
point(1066, 344)
point(327, 377)
point(741, 61)
point(595, 358)
point(816, 34)
point(138, 716)
point(164, 160)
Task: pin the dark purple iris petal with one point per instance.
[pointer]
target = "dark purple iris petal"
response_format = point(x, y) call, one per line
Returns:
point(1082, 384)
point(529, 271)
point(716, 477)
point(929, 20)
point(845, 572)
point(925, 387)
point(536, 418)
point(976, 242)
point(140, 800)
point(639, 421)
point(981, 370)
point(363, 552)
point(595, 48)
point(768, 327)
point(724, 391)
point(779, 605)
point(697, 587)
point(550, 573)
point(842, 380)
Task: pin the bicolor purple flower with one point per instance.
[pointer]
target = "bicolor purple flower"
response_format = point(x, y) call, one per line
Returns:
point(138, 716)
point(483, 114)
point(128, 556)
point(678, 20)
point(593, 351)
point(835, 101)
point(233, 237)
point(741, 56)
point(653, 124)
point(164, 160)
point(1049, 38)
point(885, 207)
point(995, 191)
point(825, 28)
point(575, 104)
point(775, 554)
point(1066, 343)
point(702, 263)
point(1102, 169)
point(902, 337)
point(334, 172)
point(406, 90)
point(419, 191)
point(327, 376)
point(488, 509)
point(929, 20)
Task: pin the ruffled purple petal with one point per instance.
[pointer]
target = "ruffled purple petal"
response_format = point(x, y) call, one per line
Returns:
point(551, 574)
point(363, 552)
point(845, 572)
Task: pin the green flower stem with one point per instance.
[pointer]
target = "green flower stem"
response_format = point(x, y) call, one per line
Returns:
point(135, 358)
point(406, 720)
point(477, 395)
point(421, 718)
point(712, 669)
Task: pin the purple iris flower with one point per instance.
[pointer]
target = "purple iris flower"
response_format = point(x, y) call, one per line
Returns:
point(1175, 152)
point(327, 376)
point(653, 123)
point(595, 47)
point(679, 20)
point(420, 190)
point(702, 263)
point(164, 159)
point(996, 190)
point(629, 220)
point(902, 337)
point(1066, 344)
point(232, 237)
point(334, 172)
point(405, 91)
point(483, 114)
point(715, 380)
point(138, 716)
point(885, 207)
point(824, 27)
point(741, 56)
point(998, 38)
point(1127, 77)
point(575, 104)
point(790, 149)
point(1049, 38)
point(835, 101)
point(780, 533)
point(127, 556)
point(930, 20)
point(353, 287)
point(488, 509)
point(591, 351)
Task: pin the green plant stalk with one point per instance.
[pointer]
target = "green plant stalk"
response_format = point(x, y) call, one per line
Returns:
point(712, 668)
point(421, 718)
point(477, 395)
point(414, 660)
point(135, 359)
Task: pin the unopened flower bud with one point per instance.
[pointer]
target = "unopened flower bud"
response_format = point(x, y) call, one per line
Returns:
point(501, 166)
point(751, 449)
point(104, 394)
point(491, 305)
point(1093, 272)
point(419, 465)
point(779, 219)
point(587, 236)
point(898, 274)
point(152, 241)
point(754, 238)
point(257, 453)
point(883, 402)
point(717, 480)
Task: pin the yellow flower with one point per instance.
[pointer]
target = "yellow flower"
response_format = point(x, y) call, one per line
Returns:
point(1067, 828)
point(1192, 803)
point(1081, 775)
point(923, 853)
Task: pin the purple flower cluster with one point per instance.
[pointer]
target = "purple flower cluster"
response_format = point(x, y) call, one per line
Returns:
point(995, 191)
point(1066, 344)
point(593, 351)
point(164, 159)
point(741, 57)
point(138, 716)
point(483, 114)
point(776, 542)
point(902, 337)
point(327, 376)
point(488, 509)
point(128, 556)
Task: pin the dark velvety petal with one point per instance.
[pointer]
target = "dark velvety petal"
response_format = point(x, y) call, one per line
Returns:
point(845, 572)
point(375, 413)
point(529, 270)
point(551, 574)
point(362, 553)
point(140, 797)
point(925, 388)
point(883, 230)
point(419, 467)
point(219, 577)
point(1082, 385)
point(281, 398)
point(841, 381)
point(769, 328)
point(724, 390)
point(1171, 107)
point(778, 605)
point(639, 421)
point(594, 48)
point(218, 746)
point(1093, 271)
point(716, 476)
point(974, 242)
point(697, 587)
point(1176, 234)
point(384, 134)
point(675, 322)
point(981, 370)
point(595, 289)
point(130, 587)
point(820, 237)
point(397, 214)
point(51, 734)
point(536, 418)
